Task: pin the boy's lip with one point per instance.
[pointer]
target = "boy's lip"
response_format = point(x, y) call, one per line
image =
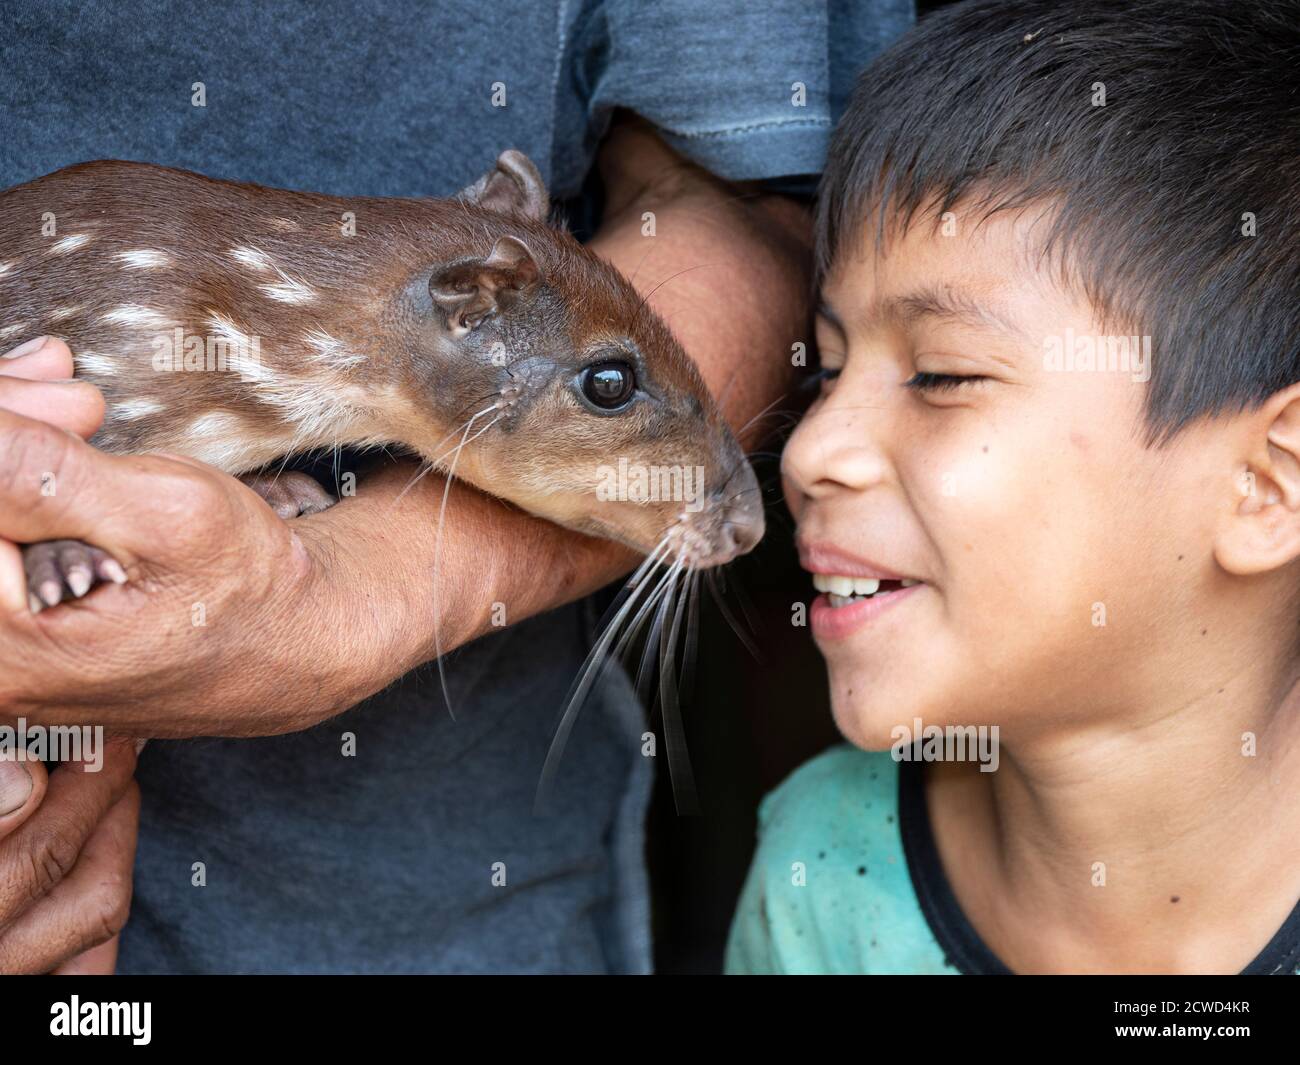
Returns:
point(821, 557)
point(837, 623)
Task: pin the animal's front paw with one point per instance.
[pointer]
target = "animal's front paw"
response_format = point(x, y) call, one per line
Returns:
point(66, 569)
point(292, 494)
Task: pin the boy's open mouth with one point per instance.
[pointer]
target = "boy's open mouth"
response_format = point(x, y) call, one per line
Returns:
point(842, 591)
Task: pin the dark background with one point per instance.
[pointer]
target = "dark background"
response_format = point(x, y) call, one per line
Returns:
point(748, 724)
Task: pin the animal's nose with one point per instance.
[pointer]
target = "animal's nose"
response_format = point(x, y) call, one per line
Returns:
point(741, 529)
point(732, 521)
point(739, 519)
point(737, 526)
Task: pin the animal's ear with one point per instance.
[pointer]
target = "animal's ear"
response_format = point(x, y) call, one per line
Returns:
point(471, 291)
point(514, 185)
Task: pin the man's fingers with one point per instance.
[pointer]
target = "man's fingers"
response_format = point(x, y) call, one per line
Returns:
point(76, 406)
point(35, 382)
point(48, 481)
point(56, 487)
point(22, 789)
point(42, 359)
point(43, 851)
point(89, 906)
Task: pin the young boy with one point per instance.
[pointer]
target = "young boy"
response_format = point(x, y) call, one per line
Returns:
point(1051, 494)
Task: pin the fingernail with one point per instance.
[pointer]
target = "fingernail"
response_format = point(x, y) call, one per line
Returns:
point(15, 787)
point(111, 569)
point(25, 349)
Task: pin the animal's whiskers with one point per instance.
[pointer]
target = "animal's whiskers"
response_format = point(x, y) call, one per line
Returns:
point(437, 550)
point(431, 464)
point(660, 603)
point(679, 762)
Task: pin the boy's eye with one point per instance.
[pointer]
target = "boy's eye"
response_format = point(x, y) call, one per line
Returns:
point(813, 381)
point(933, 382)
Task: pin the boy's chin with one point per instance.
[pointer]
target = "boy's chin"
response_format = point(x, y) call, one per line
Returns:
point(865, 719)
point(869, 717)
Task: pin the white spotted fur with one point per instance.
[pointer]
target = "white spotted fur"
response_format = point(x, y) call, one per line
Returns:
point(69, 243)
point(143, 258)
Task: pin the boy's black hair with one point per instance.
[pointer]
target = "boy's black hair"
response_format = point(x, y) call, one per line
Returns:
point(995, 103)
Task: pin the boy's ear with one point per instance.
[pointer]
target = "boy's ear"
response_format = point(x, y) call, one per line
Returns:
point(1262, 530)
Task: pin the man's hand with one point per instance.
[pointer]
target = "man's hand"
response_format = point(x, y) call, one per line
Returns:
point(67, 847)
point(67, 841)
point(232, 621)
point(205, 632)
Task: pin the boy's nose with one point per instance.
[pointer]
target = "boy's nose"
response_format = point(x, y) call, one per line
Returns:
point(832, 450)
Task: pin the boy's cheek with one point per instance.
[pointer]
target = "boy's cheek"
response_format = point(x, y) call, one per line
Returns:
point(973, 504)
point(1020, 565)
point(793, 497)
point(1014, 502)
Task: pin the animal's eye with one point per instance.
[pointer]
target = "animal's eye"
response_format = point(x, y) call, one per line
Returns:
point(608, 385)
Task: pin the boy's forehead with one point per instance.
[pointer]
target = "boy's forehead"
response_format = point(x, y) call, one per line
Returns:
point(986, 275)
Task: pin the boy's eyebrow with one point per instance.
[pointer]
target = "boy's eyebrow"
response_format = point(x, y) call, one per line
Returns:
point(943, 302)
point(950, 304)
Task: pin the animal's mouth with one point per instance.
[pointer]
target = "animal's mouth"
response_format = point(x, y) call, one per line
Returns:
point(693, 529)
point(730, 533)
point(696, 546)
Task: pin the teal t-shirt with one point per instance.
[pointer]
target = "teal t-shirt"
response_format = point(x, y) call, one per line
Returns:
point(847, 879)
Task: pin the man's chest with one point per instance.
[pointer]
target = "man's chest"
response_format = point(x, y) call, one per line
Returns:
point(409, 98)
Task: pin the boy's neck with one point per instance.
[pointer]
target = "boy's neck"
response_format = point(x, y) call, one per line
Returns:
point(1070, 857)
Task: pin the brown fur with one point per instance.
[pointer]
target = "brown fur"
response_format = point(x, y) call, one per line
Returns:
point(402, 373)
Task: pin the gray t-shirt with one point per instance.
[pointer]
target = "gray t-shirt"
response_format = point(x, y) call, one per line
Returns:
point(392, 860)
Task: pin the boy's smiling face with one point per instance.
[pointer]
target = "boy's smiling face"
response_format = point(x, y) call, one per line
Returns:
point(1065, 568)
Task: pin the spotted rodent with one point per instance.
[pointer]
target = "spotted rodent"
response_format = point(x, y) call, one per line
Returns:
point(238, 324)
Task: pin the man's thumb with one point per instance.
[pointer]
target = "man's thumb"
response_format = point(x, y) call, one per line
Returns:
point(22, 787)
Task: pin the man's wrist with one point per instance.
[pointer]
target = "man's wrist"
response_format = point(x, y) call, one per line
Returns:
point(530, 566)
point(359, 595)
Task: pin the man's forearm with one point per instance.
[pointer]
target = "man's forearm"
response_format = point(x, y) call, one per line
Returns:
point(381, 561)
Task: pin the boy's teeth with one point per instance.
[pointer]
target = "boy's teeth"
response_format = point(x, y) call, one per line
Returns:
point(824, 582)
point(843, 590)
